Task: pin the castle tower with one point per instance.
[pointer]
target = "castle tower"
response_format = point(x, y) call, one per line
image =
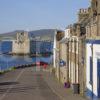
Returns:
point(22, 44)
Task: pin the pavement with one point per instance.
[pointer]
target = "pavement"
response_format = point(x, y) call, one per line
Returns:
point(33, 84)
point(59, 89)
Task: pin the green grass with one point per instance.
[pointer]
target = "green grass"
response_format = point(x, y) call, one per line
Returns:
point(10, 69)
point(1, 72)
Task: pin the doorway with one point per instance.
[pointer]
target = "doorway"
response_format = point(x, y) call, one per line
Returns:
point(98, 77)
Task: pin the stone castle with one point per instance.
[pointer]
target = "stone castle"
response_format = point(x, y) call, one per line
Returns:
point(21, 45)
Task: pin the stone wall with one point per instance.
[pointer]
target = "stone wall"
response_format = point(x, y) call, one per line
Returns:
point(22, 44)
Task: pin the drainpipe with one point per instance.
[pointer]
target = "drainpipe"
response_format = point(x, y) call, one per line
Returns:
point(68, 61)
point(70, 57)
point(67, 50)
point(59, 62)
point(75, 85)
point(75, 61)
point(71, 60)
point(78, 60)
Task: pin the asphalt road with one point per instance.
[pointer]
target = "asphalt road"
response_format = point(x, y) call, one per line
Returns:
point(25, 84)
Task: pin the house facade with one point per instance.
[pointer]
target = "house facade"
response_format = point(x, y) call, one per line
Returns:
point(56, 52)
point(70, 50)
point(79, 48)
point(63, 57)
point(76, 58)
point(93, 51)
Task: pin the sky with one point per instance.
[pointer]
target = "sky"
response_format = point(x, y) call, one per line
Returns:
point(38, 14)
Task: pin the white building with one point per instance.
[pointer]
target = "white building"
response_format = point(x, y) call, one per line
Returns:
point(93, 68)
point(57, 36)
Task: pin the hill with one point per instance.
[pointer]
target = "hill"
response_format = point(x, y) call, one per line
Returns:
point(43, 34)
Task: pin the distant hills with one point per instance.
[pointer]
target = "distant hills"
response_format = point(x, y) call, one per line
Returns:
point(10, 34)
point(43, 34)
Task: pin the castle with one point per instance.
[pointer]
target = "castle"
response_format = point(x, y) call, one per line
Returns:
point(21, 45)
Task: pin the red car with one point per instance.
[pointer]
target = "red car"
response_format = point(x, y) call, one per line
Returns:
point(41, 63)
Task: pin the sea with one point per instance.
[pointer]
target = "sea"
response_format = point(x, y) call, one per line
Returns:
point(9, 61)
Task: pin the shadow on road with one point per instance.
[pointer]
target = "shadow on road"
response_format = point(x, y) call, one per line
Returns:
point(8, 83)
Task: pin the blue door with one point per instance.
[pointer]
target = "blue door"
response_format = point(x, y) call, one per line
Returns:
point(91, 71)
point(98, 76)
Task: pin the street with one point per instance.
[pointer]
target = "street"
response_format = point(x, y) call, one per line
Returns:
point(25, 84)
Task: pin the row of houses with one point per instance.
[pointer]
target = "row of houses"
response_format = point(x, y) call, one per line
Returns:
point(77, 53)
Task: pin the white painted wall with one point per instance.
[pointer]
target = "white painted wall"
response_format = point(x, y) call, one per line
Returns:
point(96, 56)
point(96, 51)
point(54, 50)
point(88, 55)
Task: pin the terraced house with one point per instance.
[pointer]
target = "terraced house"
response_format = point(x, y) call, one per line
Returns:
point(93, 51)
point(79, 48)
point(71, 51)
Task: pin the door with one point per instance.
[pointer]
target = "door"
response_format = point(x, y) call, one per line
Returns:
point(91, 71)
point(98, 77)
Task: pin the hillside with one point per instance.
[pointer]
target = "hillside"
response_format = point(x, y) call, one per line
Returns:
point(43, 34)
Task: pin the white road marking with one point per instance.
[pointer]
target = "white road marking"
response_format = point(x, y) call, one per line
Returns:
point(10, 87)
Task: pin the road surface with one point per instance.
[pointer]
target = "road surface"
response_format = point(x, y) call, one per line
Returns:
point(25, 84)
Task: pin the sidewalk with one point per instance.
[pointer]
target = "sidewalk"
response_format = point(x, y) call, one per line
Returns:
point(58, 88)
